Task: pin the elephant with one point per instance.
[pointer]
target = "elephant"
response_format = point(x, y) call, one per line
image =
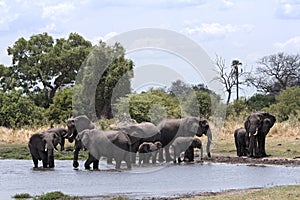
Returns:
point(63, 134)
point(258, 125)
point(241, 140)
point(139, 133)
point(111, 144)
point(41, 147)
point(76, 125)
point(187, 145)
point(147, 150)
point(186, 127)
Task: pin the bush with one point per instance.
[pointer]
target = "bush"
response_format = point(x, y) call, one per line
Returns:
point(17, 111)
point(22, 196)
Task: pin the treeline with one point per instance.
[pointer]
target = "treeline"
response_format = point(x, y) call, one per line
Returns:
point(39, 87)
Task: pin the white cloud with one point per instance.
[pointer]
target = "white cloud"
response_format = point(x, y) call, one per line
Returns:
point(58, 12)
point(288, 9)
point(226, 4)
point(5, 16)
point(292, 44)
point(218, 30)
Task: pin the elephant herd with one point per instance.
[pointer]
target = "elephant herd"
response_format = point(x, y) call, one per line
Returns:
point(145, 140)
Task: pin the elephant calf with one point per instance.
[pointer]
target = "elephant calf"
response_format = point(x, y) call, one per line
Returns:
point(148, 149)
point(41, 147)
point(241, 142)
point(187, 145)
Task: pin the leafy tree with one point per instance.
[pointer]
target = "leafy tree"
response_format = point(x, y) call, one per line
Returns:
point(103, 79)
point(17, 111)
point(288, 104)
point(237, 109)
point(61, 108)
point(42, 65)
point(152, 105)
point(260, 101)
point(276, 72)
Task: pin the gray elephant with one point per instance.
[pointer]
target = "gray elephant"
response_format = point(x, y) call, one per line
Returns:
point(76, 125)
point(147, 150)
point(170, 129)
point(241, 140)
point(110, 144)
point(41, 147)
point(187, 145)
point(62, 133)
point(139, 133)
point(258, 125)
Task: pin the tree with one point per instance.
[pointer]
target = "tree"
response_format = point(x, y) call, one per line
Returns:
point(229, 76)
point(17, 111)
point(61, 108)
point(276, 72)
point(259, 101)
point(104, 78)
point(42, 65)
point(288, 103)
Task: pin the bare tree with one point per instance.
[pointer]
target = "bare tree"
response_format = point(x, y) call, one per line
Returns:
point(229, 76)
point(276, 72)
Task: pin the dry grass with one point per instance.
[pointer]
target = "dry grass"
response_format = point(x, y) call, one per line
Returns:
point(19, 136)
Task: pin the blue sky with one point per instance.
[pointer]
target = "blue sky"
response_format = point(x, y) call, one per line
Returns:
point(246, 29)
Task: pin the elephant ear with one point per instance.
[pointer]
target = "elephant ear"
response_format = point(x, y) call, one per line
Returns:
point(83, 122)
point(190, 125)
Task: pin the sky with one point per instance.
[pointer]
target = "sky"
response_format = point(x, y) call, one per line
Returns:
point(246, 30)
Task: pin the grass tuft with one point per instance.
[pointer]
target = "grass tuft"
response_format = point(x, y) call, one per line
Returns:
point(22, 196)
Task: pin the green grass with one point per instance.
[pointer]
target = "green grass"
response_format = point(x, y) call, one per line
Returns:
point(22, 152)
point(57, 195)
point(275, 193)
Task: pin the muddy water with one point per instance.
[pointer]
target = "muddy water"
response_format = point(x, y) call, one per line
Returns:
point(17, 176)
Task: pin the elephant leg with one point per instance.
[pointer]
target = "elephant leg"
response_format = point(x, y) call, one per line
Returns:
point(154, 157)
point(44, 159)
point(109, 161)
point(140, 158)
point(118, 163)
point(167, 150)
point(95, 164)
point(35, 161)
point(75, 159)
point(161, 155)
point(256, 147)
point(263, 149)
point(251, 145)
point(133, 158)
point(127, 160)
point(88, 162)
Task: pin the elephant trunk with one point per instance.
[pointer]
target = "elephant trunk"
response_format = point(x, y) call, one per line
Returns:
point(209, 140)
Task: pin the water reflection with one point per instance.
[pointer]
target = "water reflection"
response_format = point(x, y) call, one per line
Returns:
point(17, 176)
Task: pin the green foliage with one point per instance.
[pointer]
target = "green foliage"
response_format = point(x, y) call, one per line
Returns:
point(61, 108)
point(237, 109)
point(22, 196)
point(17, 111)
point(288, 104)
point(260, 101)
point(42, 65)
point(15, 152)
point(156, 104)
point(102, 80)
point(149, 106)
point(57, 195)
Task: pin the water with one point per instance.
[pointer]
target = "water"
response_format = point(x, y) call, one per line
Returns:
point(18, 176)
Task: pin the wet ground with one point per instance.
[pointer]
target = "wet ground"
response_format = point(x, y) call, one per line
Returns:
point(162, 180)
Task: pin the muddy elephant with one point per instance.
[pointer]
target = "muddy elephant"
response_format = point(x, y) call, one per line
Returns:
point(109, 144)
point(170, 129)
point(187, 145)
point(139, 133)
point(42, 146)
point(76, 125)
point(147, 150)
point(258, 125)
point(241, 140)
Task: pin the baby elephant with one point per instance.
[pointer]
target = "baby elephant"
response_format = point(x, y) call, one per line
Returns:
point(148, 149)
point(187, 145)
point(241, 141)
